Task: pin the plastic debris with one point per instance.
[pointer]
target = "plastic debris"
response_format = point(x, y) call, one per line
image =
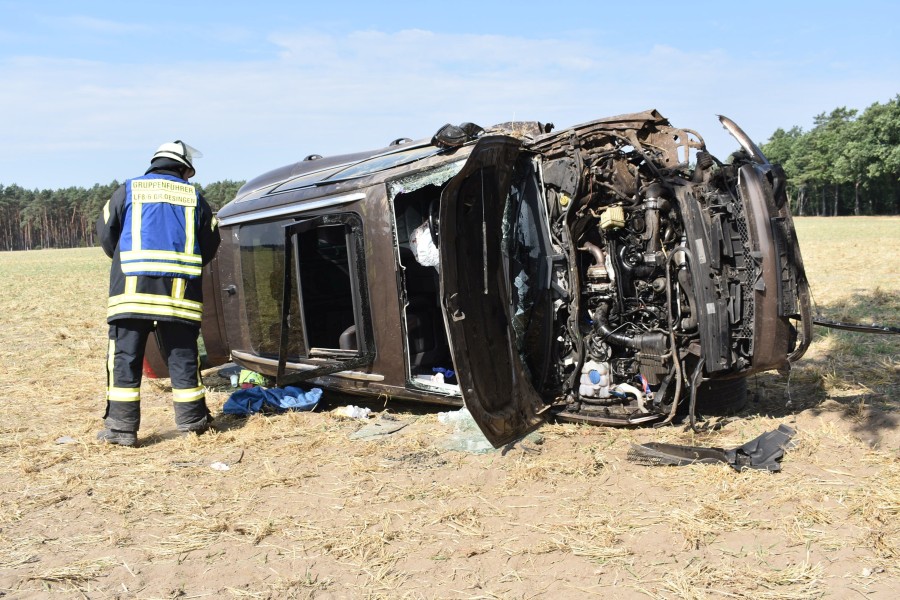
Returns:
point(764, 452)
point(445, 374)
point(66, 439)
point(249, 378)
point(220, 466)
point(353, 412)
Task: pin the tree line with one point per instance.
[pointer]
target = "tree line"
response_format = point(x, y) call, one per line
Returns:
point(65, 218)
point(847, 164)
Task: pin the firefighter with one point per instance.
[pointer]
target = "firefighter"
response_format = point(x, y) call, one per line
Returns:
point(159, 231)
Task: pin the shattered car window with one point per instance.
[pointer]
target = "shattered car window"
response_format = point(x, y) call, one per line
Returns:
point(525, 246)
point(385, 161)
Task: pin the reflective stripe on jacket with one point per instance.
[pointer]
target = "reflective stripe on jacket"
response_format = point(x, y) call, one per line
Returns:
point(135, 293)
point(158, 233)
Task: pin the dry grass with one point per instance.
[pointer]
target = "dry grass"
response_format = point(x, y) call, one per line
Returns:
point(304, 512)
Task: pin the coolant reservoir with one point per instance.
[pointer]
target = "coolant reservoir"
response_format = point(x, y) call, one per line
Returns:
point(612, 218)
point(594, 380)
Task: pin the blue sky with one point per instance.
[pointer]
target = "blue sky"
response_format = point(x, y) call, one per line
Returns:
point(89, 89)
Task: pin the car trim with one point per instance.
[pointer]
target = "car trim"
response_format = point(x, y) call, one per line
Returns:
point(280, 211)
point(357, 375)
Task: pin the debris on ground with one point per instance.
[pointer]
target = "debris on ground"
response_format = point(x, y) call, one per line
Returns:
point(257, 399)
point(384, 425)
point(466, 436)
point(353, 412)
point(248, 378)
point(764, 452)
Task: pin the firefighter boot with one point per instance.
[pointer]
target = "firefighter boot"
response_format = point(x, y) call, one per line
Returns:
point(117, 437)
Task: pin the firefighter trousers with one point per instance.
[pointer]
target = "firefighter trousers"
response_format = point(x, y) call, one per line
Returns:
point(124, 366)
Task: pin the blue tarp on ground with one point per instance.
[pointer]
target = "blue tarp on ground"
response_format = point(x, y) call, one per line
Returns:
point(272, 400)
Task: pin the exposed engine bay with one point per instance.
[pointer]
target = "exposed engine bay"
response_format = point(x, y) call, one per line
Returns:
point(672, 270)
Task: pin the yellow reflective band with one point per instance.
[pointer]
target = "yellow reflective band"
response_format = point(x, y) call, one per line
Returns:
point(106, 212)
point(161, 255)
point(188, 395)
point(154, 305)
point(160, 267)
point(158, 311)
point(130, 285)
point(213, 223)
point(155, 299)
point(150, 309)
point(189, 231)
point(160, 190)
point(179, 285)
point(117, 394)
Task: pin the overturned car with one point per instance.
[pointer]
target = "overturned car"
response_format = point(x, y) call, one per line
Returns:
point(610, 272)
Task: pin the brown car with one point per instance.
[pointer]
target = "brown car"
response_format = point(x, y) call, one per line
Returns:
point(608, 273)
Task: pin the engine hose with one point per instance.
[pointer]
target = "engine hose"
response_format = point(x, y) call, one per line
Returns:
point(576, 390)
point(676, 360)
point(704, 162)
point(638, 394)
point(601, 322)
point(653, 204)
point(676, 398)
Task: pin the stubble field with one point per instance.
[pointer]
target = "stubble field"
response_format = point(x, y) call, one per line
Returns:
point(303, 511)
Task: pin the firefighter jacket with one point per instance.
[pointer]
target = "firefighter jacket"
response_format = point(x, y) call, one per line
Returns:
point(160, 232)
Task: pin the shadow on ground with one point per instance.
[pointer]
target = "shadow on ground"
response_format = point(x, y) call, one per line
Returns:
point(855, 376)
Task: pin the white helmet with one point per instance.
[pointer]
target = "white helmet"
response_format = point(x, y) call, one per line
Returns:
point(181, 152)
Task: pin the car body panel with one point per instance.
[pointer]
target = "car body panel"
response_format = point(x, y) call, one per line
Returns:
point(475, 292)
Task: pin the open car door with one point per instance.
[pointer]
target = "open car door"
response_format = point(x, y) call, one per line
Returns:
point(477, 293)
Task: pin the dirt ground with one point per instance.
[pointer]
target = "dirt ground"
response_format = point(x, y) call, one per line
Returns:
point(296, 508)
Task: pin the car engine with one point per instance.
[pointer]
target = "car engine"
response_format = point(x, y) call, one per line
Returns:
point(685, 269)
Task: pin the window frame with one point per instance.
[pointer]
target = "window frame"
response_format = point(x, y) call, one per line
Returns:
point(356, 259)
